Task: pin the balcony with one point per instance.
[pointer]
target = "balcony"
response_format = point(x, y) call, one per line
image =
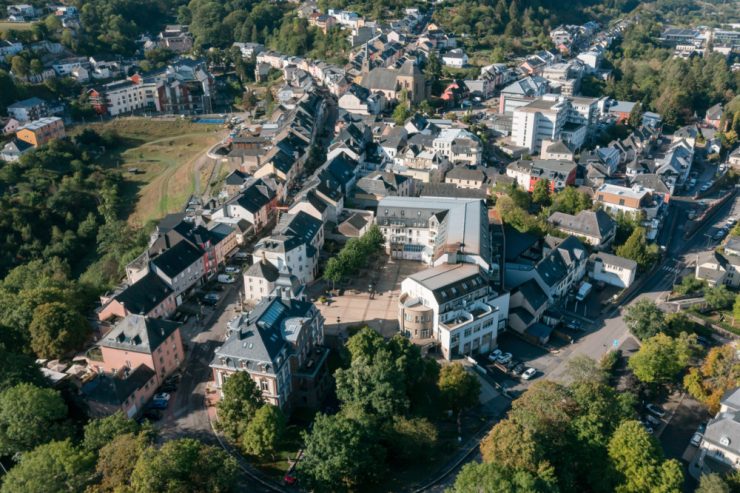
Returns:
point(457, 319)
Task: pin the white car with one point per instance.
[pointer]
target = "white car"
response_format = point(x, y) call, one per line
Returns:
point(529, 373)
point(232, 269)
point(655, 410)
point(696, 439)
point(493, 357)
point(226, 279)
point(504, 358)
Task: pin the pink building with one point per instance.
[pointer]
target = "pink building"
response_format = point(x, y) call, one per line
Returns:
point(138, 340)
point(149, 296)
point(126, 391)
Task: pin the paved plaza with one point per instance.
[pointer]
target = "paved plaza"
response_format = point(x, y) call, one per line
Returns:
point(355, 306)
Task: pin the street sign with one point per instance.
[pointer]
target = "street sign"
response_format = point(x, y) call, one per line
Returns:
point(615, 343)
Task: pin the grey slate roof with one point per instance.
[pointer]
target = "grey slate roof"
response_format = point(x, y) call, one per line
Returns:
point(264, 270)
point(178, 258)
point(380, 78)
point(450, 281)
point(144, 295)
point(610, 259)
point(554, 266)
point(112, 390)
point(597, 224)
point(533, 293)
point(139, 334)
point(724, 431)
point(466, 173)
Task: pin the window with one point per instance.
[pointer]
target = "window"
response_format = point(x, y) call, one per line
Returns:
point(263, 385)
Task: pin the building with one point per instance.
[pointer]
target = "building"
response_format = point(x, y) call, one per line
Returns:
point(436, 230)
point(548, 119)
point(458, 146)
point(390, 82)
point(361, 101)
point(279, 344)
point(256, 203)
point(126, 391)
point(183, 87)
point(176, 38)
point(612, 270)
point(556, 150)
point(13, 150)
point(455, 58)
point(370, 189)
point(719, 450)
point(633, 201)
point(28, 110)
point(138, 340)
point(180, 267)
point(528, 172)
point(595, 227)
point(455, 305)
point(295, 243)
point(39, 132)
point(149, 296)
point(713, 116)
point(521, 93)
point(259, 280)
point(718, 269)
point(467, 177)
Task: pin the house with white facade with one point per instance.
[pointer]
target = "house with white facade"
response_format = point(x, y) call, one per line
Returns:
point(612, 270)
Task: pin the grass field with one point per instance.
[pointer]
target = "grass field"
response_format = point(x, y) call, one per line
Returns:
point(17, 26)
point(168, 155)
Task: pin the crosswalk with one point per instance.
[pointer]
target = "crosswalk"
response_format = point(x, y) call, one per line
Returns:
point(671, 269)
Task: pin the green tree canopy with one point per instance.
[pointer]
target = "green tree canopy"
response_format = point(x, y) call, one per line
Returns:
point(712, 483)
point(477, 478)
point(100, 432)
point(638, 459)
point(458, 388)
point(116, 462)
point(55, 467)
point(541, 193)
point(57, 328)
point(662, 357)
point(645, 319)
point(719, 373)
point(241, 399)
point(264, 432)
point(30, 416)
point(184, 465)
point(340, 454)
point(637, 248)
point(719, 297)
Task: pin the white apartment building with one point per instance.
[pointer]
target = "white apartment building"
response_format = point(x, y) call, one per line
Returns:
point(436, 230)
point(458, 145)
point(613, 270)
point(455, 305)
point(548, 118)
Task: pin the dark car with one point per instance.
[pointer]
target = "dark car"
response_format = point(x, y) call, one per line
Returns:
point(574, 324)
point(518, 369)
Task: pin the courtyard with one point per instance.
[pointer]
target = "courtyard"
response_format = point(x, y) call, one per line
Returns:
point(355, 304)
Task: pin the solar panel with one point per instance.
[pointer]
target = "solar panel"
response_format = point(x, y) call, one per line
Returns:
point(273, 314)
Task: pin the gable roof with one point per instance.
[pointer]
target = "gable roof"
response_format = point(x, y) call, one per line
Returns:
point(144, 295)
point(263, 270)
point(555, 265)
point(178, 258)
point(596, 224)
point(113, 390)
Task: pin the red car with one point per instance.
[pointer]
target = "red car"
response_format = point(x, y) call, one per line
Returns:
point(290, 480)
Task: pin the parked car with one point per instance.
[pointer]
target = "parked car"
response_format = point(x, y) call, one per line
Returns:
point(518, 369)
point(494, 355)
point(655, 410)
point(226, 279)
point(241, 255)
point(573, 324)
point(696, 439)
point(211, 298)
point(653, 420)
point(232, 269)
point(529, 373)
point(720, 234)
point(647, 426)
point(504, 358)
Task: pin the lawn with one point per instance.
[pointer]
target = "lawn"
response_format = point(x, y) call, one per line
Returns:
point(168, 156)
point(17, 26)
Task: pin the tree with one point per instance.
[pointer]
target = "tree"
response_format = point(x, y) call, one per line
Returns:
point(712, 483)
point(570, 201)
point(458, 388)
point(411, 440)
point(264, 432)
point(583, 369)
point(57, 328)
point(719, 373)
point(19, 66)
point(100, 432)
point(339, 454)
point(511, 445)
point(644, 319)
point(636, 248)
point(56, 467)
point(689, 284)
point(541, 193)
point(241, 399)
point(18, 368)
point(117, 460)
point(638, 459)
point(401, 113)
point(718, 297)
point(662, 357)
point(635, 117)
point(30, 416)
point(477, 478)
point(184, 465)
